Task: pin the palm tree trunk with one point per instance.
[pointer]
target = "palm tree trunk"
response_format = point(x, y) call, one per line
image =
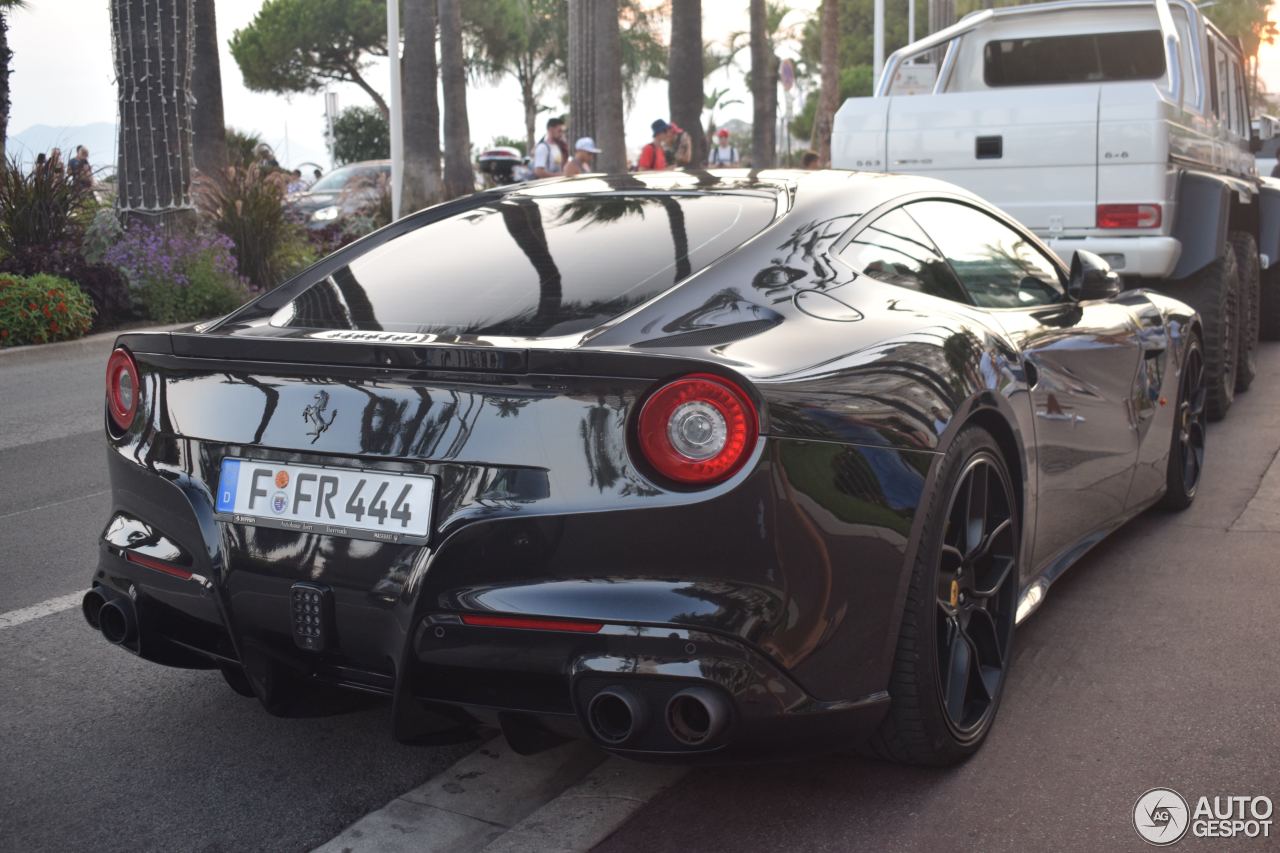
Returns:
point(764, 89)
point(583, 50)
point(6, 58)
point(421, 108)
point(609, 134)
point(208, 124)
point(684, 81)
point(459, 178)
point(829, 98)
point(154, 52)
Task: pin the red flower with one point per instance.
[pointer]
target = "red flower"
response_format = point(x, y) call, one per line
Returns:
point(47, 312)
point(4, 333)
point(53, 327)
point(62, 307)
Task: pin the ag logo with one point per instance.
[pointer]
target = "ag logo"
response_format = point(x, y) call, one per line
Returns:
point(1161, 816)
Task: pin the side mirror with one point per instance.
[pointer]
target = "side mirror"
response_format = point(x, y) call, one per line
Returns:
point(1092, 278)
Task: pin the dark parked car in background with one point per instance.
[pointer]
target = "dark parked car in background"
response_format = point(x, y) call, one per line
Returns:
point(696, 465)
point(347, 191)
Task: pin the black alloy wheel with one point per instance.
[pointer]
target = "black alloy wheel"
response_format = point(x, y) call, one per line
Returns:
point(1186, 454)
point(976, 596)
point(955, 644)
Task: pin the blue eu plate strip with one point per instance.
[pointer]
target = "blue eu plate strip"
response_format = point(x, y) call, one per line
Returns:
point(227, 481)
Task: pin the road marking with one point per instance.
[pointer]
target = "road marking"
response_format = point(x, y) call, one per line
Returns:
point(14, 618)
point(52, 505)
point(568, 798)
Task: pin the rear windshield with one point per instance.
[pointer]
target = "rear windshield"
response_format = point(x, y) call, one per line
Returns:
point(1074, 59)
point(531, 267)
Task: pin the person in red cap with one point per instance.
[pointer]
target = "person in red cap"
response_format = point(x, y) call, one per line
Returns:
point(723, 153)
point(652, 155)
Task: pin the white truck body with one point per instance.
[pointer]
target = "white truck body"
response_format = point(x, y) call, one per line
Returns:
point(1166, 98)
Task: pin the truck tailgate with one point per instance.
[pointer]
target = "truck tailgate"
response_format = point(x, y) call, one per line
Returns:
point(1031, 151)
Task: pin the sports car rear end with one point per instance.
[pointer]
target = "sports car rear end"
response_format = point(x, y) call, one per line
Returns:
point(432, 470)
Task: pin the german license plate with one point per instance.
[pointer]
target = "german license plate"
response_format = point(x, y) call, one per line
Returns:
point(356, 503)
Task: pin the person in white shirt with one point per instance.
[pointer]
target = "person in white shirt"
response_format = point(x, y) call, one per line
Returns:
point(550, 154)
point(584, 155)
point(723, 154)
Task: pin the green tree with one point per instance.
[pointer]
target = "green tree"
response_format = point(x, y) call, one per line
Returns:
point(520, 39)
point(303, 45)
point(360, 133)
point(855, 82)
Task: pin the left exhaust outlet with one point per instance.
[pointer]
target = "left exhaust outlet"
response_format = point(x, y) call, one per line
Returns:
point(117, 622)
point(616, 715)
point(91, 607)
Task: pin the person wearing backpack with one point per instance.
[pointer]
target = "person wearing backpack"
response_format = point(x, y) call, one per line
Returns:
point(723, 154)
point(551, 153)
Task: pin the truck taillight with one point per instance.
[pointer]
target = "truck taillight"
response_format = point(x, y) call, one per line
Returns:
point(697, 430)
point(122, 388)
point(1129, 216)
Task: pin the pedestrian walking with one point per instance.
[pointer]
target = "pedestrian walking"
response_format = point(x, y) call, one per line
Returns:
point(80, 169)
point(584, 156)
point(296, 183)
point(652, 155)
point(55, 164)
point(724, 154)
point(552, 152)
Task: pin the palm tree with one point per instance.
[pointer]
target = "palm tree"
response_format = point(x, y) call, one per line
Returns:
point(154, 47)
point(764, 89)
point(715, 100)
point(609, 89)
point(208, 124)
point(829, 99)
point(522, 39)
point(685, 74)
point(6, 59)
point(421, 108)
point(595, 79)
point(459, 178)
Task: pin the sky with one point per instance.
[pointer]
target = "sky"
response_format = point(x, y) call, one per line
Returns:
point(63, 77)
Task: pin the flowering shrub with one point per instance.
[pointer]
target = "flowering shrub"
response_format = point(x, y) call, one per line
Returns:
point(178, 277)
point(41, 308)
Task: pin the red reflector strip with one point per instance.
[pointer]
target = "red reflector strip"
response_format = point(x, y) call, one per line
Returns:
point(529, 624)
point(157, 565)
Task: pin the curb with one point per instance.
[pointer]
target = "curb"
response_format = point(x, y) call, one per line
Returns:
point(70, 349)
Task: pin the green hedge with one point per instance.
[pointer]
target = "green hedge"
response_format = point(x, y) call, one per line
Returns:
point(39, 309)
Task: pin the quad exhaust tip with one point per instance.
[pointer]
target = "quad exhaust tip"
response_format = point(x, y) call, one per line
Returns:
point(116, 621)
point(91, 607)
point(697, 716)
point(616, 716)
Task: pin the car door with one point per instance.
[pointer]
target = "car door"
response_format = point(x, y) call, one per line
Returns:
point(1081, 361)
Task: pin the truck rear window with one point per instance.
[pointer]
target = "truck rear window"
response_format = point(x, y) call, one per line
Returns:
point(1089, 58)
point(528, 266)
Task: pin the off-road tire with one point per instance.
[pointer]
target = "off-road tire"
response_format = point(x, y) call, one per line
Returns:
point(1246, 251)
point(916, 730)
point(1214, 292)
point(1269, 303)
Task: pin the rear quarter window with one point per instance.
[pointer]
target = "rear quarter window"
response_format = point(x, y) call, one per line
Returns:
point(1088, 58)
point(531, 267)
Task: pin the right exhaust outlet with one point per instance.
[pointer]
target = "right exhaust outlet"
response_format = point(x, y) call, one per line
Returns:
point(697, 715)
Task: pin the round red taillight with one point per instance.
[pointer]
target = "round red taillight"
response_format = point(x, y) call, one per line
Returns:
point(697, 430)
point(123, 388)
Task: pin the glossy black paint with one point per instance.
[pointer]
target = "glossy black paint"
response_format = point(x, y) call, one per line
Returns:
point(781, 587)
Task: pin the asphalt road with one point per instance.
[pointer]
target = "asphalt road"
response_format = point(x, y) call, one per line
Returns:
point(102, 751)
point(1154, 662)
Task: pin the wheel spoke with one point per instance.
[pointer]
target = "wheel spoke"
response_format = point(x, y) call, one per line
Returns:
point(1004, 568)
point(976, 510)
point(956, 683)
point(986, 640)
